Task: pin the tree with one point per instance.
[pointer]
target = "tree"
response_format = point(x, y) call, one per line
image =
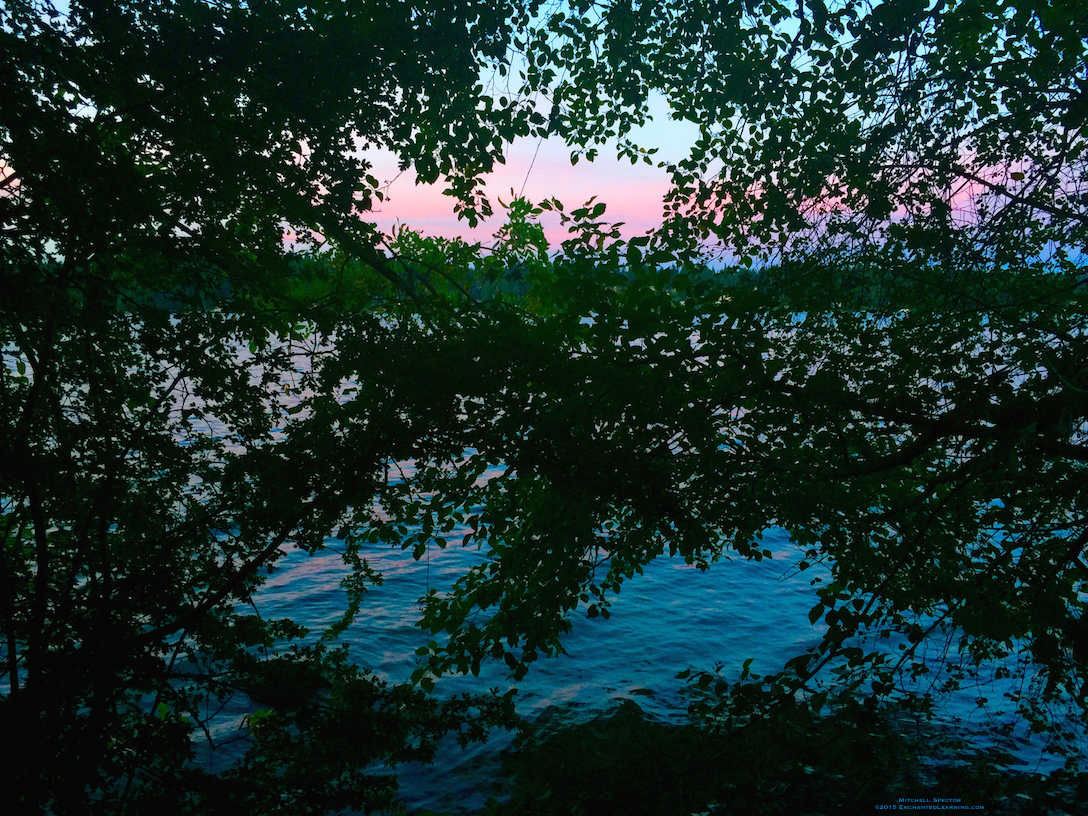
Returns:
point(898, 385)
point(851, 111)
point(155, 331)
point(932, 463)
point(899, 379)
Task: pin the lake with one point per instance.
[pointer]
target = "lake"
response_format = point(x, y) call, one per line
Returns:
point(672, 618)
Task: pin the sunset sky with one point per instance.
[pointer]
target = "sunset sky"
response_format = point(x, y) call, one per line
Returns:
point(632, 192)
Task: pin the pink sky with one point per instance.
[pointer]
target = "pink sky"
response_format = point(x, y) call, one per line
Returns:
point(632, 193)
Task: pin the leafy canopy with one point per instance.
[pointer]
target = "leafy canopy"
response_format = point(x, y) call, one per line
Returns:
point(893, 371)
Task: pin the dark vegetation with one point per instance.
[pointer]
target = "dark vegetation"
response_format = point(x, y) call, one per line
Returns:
point(892, 367)
point(790, 761)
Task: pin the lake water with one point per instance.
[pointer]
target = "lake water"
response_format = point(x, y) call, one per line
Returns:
point(672, 618)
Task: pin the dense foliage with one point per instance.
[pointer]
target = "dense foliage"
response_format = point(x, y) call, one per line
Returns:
point(892, 368)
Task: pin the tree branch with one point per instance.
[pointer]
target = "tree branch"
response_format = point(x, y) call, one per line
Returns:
point(213, 599)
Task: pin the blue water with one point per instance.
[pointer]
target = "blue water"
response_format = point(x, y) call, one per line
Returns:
point(674, 617)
